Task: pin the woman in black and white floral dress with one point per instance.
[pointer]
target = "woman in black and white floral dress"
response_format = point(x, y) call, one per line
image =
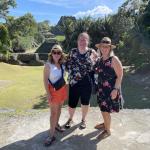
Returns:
point(79, 65)
point(110, 73)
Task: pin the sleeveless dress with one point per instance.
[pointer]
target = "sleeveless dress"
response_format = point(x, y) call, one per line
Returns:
point(106, 82)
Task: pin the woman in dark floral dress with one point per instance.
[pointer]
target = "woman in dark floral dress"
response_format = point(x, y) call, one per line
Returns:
point(110, 72)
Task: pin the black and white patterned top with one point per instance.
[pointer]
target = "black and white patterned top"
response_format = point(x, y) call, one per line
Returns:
point(78, 65)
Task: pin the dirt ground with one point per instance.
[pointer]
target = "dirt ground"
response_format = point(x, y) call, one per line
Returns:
point(130, 131)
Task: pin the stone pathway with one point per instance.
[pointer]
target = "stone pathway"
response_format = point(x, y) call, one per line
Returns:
point(130, 131)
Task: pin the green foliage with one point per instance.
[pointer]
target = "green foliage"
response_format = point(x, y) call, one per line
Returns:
point(123, 28)
point(121, 23)
point(4, 40)
point(148, 30)
point(120, 44)
point(26, 42)
point(22, 31)
point(95, 28)
point(100, 28)
point(3, 34)
point(128, 27)
point(4, 7)
point(144, 21)
point(22, 26)
point(39, 38)
point(68, 28)
point(21, 44)
point(44, 26)
point(43, 32)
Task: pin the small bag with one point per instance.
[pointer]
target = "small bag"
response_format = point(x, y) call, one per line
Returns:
point(59, 83)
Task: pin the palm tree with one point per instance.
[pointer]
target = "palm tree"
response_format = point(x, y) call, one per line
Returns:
point(98, 29)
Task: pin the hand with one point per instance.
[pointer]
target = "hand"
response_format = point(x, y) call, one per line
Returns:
point(93, 57)
point(114, 93)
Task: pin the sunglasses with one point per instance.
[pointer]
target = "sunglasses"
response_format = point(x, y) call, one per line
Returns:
point(56, 52)
point(105, 42)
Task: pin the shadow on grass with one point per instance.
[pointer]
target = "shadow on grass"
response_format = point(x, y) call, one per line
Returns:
point(43, 104)
point(136, 94)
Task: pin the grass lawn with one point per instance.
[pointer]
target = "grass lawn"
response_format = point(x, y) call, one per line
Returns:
point(21, 87)
point(60, 38)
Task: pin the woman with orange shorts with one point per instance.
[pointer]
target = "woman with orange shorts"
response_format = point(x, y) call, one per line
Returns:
point(53, 72)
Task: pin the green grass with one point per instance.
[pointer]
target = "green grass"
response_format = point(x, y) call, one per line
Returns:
point(60, 38)
point(23, 89)
point(24, 86)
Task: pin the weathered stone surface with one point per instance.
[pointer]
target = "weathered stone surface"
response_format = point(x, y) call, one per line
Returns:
point(130, 131)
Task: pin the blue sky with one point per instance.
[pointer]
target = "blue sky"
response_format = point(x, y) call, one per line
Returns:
point(52, 10)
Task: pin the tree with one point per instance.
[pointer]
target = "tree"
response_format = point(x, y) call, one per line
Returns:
point(4, 7)
point(44, 26)
point(95, 28)
point(67, 28)
point(43, 33)
point(100, 28)
point(22, 26)
point(144, 20)
point(72, 28)
point(21, 30)
point(4, 39)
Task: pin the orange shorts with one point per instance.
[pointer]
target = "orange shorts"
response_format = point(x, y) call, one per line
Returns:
point(59, 96)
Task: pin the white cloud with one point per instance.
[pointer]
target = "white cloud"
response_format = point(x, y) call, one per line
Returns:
point(96, 12)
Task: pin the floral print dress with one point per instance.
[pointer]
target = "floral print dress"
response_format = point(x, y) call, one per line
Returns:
point(106, 82)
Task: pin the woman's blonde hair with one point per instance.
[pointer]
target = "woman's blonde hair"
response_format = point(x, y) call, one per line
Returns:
point(111, 53)
point(63, 55)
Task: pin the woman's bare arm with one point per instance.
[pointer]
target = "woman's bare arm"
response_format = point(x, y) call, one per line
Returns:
point(116, 64)
point(46, 72)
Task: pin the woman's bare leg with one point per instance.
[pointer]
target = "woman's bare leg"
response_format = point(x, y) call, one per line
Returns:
point(53, 118)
